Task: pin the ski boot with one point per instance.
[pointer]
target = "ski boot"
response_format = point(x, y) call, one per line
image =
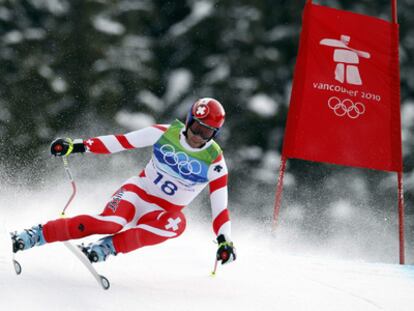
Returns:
point(100, 250)
point(28, 238)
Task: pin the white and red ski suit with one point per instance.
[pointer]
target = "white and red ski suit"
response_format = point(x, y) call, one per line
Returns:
point(146, 209)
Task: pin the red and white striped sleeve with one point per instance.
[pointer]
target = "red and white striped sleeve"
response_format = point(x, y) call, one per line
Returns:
point(219, 198)
point(115, 143)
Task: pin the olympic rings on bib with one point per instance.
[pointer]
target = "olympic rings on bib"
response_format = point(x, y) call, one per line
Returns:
point(180, 160)
point(346, 107)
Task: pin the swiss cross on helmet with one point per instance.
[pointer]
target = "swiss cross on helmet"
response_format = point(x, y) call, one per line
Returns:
point(209, 113)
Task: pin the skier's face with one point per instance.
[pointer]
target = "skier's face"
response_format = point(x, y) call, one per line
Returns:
point(198, 134)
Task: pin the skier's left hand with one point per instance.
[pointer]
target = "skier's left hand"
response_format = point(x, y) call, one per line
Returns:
point(226, 252)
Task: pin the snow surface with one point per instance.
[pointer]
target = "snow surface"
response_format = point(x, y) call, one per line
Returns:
point(175, 275)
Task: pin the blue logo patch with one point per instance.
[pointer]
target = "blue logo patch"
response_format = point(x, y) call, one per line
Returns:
point(180, 164)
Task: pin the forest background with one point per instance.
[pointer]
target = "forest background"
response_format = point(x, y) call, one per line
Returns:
point(83, 68)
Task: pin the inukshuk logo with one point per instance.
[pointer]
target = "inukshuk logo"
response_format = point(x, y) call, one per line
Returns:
point(346, 72)
point(346, 59)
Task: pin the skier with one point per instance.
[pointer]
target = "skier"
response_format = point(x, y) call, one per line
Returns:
point(146, 210)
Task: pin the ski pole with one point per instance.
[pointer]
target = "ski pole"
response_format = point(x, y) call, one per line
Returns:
point(103, 281)
point(213, 273)
point(69, 175)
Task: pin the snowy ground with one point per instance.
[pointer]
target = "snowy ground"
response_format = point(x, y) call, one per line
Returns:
point(176, 274)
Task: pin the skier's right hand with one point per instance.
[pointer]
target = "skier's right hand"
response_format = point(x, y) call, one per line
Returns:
point(65, 146)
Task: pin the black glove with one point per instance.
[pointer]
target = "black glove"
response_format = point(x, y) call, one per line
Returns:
point(65, 146)
point(226, 252)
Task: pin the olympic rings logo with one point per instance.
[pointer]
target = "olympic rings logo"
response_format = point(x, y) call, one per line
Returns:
point(180, 160)
point(346, 107)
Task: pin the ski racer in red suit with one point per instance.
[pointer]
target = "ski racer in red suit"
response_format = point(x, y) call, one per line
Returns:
point(147, 208)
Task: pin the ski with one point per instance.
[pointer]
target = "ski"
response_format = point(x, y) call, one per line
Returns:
point(16, 265)
point(103, 281)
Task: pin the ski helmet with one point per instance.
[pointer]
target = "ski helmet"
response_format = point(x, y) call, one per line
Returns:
point(207, 112)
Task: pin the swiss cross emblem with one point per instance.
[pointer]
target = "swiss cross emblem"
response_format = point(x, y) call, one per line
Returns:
point(201, 111)
point(173, 224)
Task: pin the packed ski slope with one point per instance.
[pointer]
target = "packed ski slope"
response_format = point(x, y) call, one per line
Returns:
point(176, 275)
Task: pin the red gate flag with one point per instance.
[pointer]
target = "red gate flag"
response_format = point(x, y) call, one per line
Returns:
point(345, 103)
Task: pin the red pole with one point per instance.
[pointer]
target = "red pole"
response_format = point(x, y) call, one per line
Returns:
point(401, 217)
point(400, 174)
point(279, 190)
point(394, 11)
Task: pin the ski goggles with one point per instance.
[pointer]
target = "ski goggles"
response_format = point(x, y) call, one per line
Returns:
point(203, 130)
